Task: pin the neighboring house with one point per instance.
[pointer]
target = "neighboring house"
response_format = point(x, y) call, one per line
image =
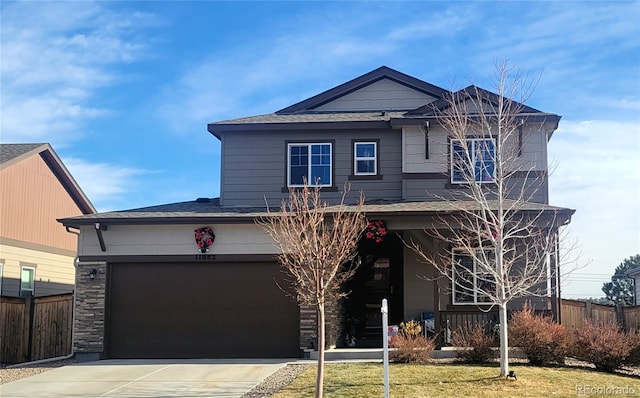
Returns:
point(146, 290)
point(634, 275)
point(36, 253)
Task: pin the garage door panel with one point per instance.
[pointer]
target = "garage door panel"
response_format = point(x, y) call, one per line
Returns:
point(196, 310)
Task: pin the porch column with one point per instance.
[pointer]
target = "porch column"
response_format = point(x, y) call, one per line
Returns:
point(555, 281)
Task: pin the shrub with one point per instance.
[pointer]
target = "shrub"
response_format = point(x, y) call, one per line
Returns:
point(605, 346)
point(409, 344)
point(633, 359)
point(411, 329)
point(476, 345)
point(542, 340)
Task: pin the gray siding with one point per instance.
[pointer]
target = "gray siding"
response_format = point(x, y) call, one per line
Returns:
point(254, 165)
point(436, 189)
point(532, 155)
point(384, 94)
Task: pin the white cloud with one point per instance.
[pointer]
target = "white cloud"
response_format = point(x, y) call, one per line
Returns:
point(435, 25)
point(570, 42)
point(598, 174)
point(264, 75)
point(55, 56)
point(104, 183)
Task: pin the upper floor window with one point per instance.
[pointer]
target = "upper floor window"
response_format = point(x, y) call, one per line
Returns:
point(310, 162)
point(470, 283)
point(27, 281)
point(365, 158)
point(474, 162)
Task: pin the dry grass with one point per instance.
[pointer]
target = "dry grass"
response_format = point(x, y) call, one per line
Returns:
point(457, 380)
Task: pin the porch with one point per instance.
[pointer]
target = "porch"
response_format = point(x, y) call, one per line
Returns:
point(415, 291)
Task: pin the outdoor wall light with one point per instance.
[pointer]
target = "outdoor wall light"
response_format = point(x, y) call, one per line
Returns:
point(93, 273)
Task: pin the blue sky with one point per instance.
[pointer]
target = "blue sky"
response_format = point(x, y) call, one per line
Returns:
point(124, 90)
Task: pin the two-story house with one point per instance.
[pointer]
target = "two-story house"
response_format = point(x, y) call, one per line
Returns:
point(146, 289)
point(36, 253)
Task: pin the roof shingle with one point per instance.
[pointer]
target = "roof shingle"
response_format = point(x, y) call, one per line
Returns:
point(12, 151)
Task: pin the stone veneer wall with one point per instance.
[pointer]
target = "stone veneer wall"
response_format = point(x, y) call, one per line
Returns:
point(88, 328)
point(308, 325)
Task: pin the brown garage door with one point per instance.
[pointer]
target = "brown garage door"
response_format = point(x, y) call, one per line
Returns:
point(199, 310)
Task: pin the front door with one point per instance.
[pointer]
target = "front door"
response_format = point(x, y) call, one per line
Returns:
point(379, 277)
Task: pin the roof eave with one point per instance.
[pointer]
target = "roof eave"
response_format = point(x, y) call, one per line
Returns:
point(219, 129)
point(525, 118)
point(68, 182)
point(163, 220)
point(562, 214)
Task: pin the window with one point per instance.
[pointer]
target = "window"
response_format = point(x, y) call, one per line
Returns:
point(1, 268)
point(365, 162)
point(27, 281)
point(469, 283)
point(311, 162)
point(473, 163)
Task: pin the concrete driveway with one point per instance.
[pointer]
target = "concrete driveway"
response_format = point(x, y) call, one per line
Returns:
point(146, 378)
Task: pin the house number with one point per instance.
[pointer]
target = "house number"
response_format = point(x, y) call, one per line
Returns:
point(205, 257)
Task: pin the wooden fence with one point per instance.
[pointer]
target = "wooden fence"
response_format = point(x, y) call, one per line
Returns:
point(450, 321)
point(35, 328)
point(573, 314)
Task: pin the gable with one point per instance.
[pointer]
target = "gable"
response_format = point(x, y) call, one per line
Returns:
point(384, 94)
point(471, 96)
point(379, 90)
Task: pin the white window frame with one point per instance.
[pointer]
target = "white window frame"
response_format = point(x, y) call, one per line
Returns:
point(356, 158)
point(473, 154)
point(33, 276)
point(476, 297)
point(309, 145)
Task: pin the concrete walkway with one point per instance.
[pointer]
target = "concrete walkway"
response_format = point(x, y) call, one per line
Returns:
point(146, 378)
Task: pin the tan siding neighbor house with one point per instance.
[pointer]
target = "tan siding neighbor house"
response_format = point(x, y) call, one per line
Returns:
point(36, 253)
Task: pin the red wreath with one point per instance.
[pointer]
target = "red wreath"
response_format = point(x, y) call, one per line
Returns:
point(376, 231)
point(204, 238)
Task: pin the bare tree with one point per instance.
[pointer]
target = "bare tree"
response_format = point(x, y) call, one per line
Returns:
point(499, 243)
point(317, 247)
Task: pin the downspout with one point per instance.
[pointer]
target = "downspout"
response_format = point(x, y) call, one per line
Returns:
point(76, 261)
point(73, 320)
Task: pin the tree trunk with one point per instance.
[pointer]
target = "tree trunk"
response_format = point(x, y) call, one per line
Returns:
point(320, 343)
point(504, 342)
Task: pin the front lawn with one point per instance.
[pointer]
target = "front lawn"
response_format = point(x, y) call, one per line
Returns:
point(457, 380)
